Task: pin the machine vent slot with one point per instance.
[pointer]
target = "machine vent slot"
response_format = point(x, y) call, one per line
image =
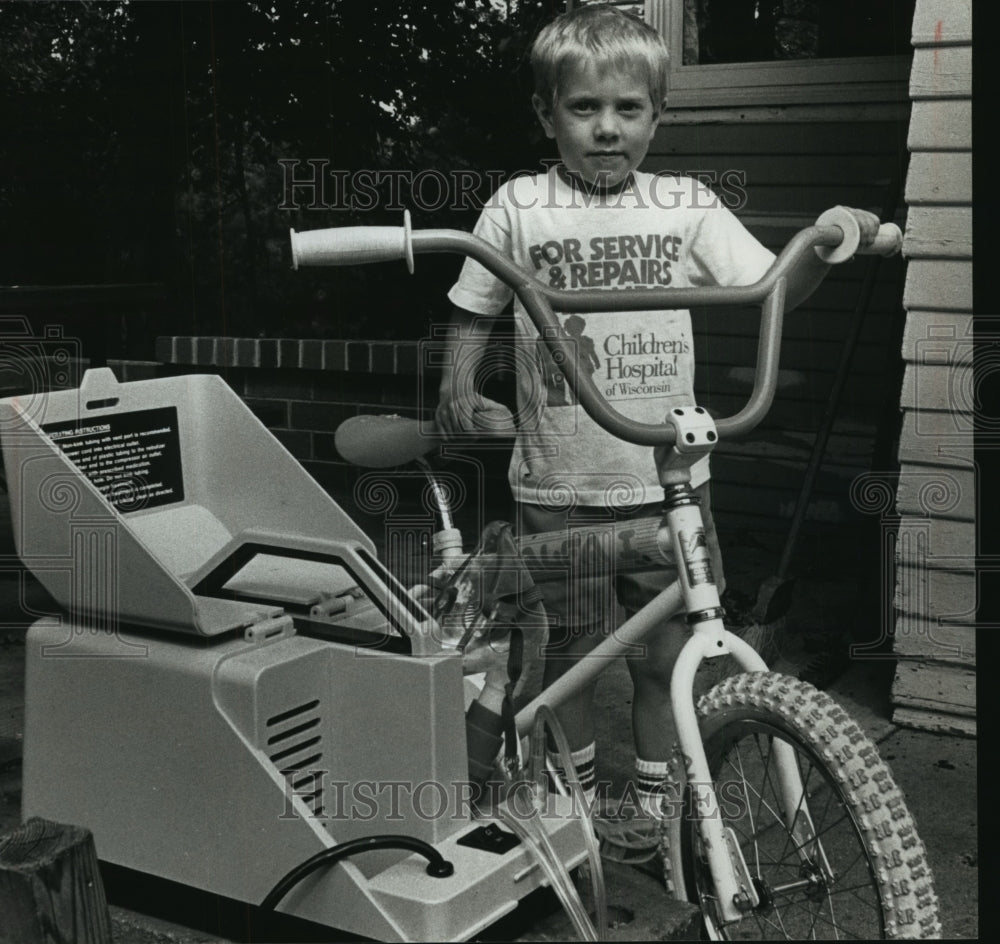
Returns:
point(291, 732)
point(309, 788)
point(294, 746)
point(301, 784)
point(311, 760)
point(292, 712)
point(295, 749)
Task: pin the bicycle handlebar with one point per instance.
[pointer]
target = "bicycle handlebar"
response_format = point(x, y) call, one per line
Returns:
point(356, 245)
point(835, 237)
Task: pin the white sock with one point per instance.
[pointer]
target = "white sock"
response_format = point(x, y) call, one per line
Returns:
point(652, 776)
point(583, 765)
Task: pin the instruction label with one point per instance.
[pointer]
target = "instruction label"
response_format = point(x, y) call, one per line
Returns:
point(133, 459)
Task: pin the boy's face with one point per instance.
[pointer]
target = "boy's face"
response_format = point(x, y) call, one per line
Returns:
point(603, 122)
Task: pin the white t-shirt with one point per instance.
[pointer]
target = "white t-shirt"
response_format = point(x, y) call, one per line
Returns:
point(657, 231)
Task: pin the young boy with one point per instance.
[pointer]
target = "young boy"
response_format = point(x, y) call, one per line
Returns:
point(594, 221)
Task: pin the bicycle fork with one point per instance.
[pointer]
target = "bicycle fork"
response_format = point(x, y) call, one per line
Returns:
point(683, 529)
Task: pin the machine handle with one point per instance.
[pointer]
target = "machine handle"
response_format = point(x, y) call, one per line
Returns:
point(353, 245)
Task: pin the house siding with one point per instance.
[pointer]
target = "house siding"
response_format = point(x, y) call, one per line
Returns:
point(935, 598)
point(779, 169)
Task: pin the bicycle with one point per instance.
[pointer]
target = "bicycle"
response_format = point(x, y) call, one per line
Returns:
point(792, 825)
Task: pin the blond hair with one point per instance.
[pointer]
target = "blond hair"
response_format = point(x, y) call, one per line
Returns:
point(602, 35)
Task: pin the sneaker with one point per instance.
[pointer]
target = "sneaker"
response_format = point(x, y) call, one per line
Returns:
point(632, 837)
point(826, 667)
point(637, 840)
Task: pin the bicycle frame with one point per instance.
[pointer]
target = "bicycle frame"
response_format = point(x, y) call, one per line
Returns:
point(695, 592)
point(709, 639)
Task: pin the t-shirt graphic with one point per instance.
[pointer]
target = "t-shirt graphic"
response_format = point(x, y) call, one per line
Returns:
point(662, 232)
point(556, 388)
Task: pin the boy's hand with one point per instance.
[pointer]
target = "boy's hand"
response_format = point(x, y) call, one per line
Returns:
point(472, 414)
point(868, 223)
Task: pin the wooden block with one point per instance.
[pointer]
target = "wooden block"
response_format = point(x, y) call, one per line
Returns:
point(932, 594)
point(936, 177)
point(941, 387)
point(938, 231)
point(941, 72)
point(933, 687)
point(926, 639)
point(947, 596)
point(930, 490)
point(941, 543)
point(936, 336)
point(942, 125)
point(937, 722)
point(50, 886)
point(938, 285)
point(912, 550)
point(935, 438)
point(942, 21)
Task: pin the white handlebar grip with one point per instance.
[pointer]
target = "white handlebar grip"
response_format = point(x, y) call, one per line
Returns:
point(353, 245)
point(842, 217)
point(887, 242)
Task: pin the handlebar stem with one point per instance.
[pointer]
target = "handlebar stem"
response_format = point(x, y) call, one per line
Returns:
point(695, 435)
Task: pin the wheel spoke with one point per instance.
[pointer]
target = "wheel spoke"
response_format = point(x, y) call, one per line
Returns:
point(766, 762)
point(763, 804)
point(753, 830)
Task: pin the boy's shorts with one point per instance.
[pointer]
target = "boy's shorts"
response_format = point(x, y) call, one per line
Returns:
point(582, 604)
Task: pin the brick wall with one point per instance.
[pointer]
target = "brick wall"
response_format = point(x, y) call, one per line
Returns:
point(302, 390)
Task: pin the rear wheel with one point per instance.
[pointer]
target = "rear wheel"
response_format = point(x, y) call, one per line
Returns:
point(853, 867)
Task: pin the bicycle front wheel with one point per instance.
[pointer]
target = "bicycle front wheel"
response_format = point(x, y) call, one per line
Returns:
point(839, 860)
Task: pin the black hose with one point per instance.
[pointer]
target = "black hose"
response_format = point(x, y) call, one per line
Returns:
point(437, 866)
